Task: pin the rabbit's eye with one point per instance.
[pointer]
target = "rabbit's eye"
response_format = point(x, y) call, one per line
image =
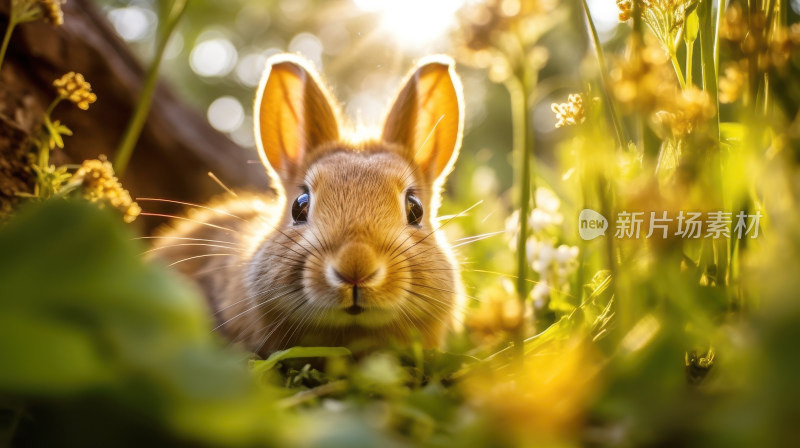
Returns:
point(413, 209)
point(300, 208)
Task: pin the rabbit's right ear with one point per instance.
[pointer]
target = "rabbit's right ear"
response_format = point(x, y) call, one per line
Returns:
point(293, 115)
point(427, 119)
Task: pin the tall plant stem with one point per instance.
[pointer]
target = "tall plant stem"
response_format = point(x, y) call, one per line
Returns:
point(708, 36)
point(622, 139)
point(678, 71)
point(136, 124)
point(518, 91)
point(7, 38)
point(689, 55)
point(720, 12)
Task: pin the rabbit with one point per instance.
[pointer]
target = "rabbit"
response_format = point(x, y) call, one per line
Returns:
point(346, 251)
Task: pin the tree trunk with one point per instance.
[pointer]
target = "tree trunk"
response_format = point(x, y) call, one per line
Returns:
point(176, 149)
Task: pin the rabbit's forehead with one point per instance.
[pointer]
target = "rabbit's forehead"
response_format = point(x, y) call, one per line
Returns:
point(353, 173)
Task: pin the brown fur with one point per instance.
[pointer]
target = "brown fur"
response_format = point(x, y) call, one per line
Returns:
point(274, 284)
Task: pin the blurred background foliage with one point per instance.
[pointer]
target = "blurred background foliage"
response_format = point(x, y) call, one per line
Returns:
point(627, 342)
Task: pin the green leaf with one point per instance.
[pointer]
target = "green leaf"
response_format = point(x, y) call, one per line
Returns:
point(83, 319)
point(297, 352)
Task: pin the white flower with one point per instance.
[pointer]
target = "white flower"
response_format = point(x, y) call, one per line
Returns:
point(547, 200)
point(566, 254)
point(540, 219)
point(546, 212)
point(540, 294)
point(531, 247)
point(546, 259)
point(512, 229)
point(540, 255)
point(512, 222)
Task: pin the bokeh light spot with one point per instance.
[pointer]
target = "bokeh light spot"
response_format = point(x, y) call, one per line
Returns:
point(214, 57)
point(605, 14)
point(226, 114)
point(414, 23)
point(133, 24)
point(309, 46)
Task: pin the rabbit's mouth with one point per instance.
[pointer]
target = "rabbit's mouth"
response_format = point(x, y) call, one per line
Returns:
point(358, 298)
point(357, 306)
point(354, 310)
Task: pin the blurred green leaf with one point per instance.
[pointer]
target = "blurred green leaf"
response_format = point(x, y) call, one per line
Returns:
point(81, 315)
point(268, 364)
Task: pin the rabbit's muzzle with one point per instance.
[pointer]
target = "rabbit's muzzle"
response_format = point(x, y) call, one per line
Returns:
point(353, 271)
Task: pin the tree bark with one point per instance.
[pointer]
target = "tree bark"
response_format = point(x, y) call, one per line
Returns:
point(176, 149)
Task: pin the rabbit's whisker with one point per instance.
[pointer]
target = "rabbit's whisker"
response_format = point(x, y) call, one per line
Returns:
point(425, 312)
point(313, 246)
point(189, 244)
point(301, 323)
point(517, 278)
point(406, 322)
point(182, 238)
point(472, 239)
point(192, 205)
point(431, 233)
point(444, 304)
point(183, 218)
point(420, 325)
point(250, 297)
point(489, 214)
point(218, 268)
point(414, 156)
point(259, 304)
point(441, 290)
point(286, 257)
point(410, 268)
point(199, 256)
point(243, 332)
point(221, 184)
point(281, 322)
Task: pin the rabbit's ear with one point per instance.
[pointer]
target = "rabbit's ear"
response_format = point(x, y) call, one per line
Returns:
point(427, 118)
point(293, 115)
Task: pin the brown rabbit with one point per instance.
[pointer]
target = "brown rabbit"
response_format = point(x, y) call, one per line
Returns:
point(347, 250)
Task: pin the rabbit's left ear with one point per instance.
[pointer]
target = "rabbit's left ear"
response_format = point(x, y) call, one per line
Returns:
point(293, 115)
point(427, 119)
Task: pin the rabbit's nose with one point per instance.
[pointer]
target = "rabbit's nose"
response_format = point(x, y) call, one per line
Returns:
point(355, 264)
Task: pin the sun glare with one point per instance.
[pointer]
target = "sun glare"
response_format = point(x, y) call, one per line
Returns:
point(414, 23)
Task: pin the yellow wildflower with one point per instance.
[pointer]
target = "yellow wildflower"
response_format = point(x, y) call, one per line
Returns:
point(687, 112)
point(484, 23)
point(734, 26)
point(752, 37)
point(499, 313)
point(546, 397)
point(74, 87)
point(625, 10)
point(645, 80)
point(493, 30)
point(100, 185)
point(570, 113)
point(781, 46)
point(23, 11)
point(731, 84)
point(52, 11)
